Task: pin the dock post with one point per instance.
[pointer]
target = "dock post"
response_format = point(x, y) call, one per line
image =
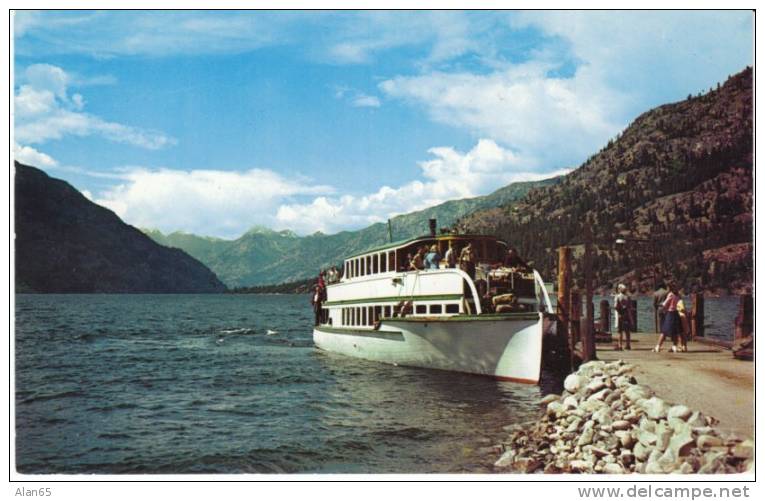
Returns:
point(575, 323)
point(697, 315)
point(588, 330)
point(605, 316)
point(564, 289)
point(744, 319)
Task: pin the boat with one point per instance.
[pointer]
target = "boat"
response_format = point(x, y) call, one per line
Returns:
point(490, 324)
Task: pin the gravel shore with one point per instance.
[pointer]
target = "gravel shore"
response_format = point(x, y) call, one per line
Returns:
point(605, 422)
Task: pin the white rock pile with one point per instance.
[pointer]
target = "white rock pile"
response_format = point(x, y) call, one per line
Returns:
point(604, 422)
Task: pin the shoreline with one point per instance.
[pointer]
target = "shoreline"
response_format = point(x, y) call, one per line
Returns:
point(608, 421)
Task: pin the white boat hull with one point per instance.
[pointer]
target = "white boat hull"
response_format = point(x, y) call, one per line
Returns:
point(503, 347)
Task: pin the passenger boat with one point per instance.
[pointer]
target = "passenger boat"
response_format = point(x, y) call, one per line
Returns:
point(491, 324)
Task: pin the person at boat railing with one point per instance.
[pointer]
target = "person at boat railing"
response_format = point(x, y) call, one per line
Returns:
point(467, 260)
point(514, 260)
point(451, 257)
point(432, 258)
point(418, 261)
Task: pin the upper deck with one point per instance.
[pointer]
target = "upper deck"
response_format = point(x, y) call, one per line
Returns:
point(395, 257)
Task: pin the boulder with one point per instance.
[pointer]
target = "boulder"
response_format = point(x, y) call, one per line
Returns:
point(613, 469)
point(552, 397)
point(744, 450)
point(637, 392)
point(621, 425)
point(506, 459)
point(679, 411)
point(705, 442)
point(573, 383)
point(655, 408)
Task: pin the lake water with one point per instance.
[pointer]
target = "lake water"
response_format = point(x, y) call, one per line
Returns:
point(233, 384)
point(196, 384)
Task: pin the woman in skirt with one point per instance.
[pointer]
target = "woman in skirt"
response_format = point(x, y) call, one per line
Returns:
point(671, 325)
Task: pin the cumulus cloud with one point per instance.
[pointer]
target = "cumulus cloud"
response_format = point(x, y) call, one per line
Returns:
point(449, 175)
point(209, 202)
point(30, 156)
point(44, 111)
point(228, 203)
point(547, 119)
point(590, 74)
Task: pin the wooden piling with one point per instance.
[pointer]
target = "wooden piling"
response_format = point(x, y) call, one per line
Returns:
point(605, 316)
point(744, 320)
point(574, 322)
point(697, 315)
point(564, 290)
point(588, 329)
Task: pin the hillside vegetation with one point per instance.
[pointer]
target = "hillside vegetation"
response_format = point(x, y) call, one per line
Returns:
point(66, 243)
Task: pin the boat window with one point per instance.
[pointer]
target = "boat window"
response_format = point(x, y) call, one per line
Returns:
point(383, 263)
point(369, 265)
point(360, 265)
point(378, 313)
point(370, 315)
point(387, 312)
point(420, 309)
point(392, 260)
point(452, 308)
point(435, 308)
point(354, 316)
point(375, 266)
point(363, 316)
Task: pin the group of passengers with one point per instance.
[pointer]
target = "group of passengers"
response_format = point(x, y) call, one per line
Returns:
point(429, 259)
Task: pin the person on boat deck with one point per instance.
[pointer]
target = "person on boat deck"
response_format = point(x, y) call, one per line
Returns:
point(418, 261)
point(451, 257)
point(333, 275)
point(432, 258)
point(514, 260)
point(316, 300)
point(467, 261)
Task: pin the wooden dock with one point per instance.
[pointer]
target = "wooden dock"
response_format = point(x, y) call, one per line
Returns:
point(706, 378)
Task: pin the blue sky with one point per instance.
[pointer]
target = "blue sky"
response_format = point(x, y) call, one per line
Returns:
point(214, 122)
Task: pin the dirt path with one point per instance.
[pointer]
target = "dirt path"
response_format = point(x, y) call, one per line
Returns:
point(706, 378)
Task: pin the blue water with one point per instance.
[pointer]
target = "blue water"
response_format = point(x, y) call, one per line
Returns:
point(195, 384)
point(719, 315)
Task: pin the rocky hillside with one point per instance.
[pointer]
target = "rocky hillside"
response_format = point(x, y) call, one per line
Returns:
point(263, 256)
point(679, 176)
point(66, 243)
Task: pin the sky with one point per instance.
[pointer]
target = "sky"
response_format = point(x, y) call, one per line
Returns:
point(213, 122)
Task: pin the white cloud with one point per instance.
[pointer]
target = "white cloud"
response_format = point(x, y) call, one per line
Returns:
point(30, 156)
point(364, 101)
point(594, 72)
point(547, 120)
point(44, 111)
point(227, 203)
point(209, 202)
point(449, 175)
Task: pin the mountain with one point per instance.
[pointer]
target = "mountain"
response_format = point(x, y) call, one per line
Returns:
point(66, 243)
point(263, 256)
point(678, 182)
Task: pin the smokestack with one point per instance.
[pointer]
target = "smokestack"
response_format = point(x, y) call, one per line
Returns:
point(432, 227)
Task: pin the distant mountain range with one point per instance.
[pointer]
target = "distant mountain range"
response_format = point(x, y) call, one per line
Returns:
point(677, 182)
point(263, 256)
point(66, 243)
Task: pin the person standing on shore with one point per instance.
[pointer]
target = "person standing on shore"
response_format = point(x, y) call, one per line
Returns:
point(658, 299)
point(671, 324)
point(623, 307)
